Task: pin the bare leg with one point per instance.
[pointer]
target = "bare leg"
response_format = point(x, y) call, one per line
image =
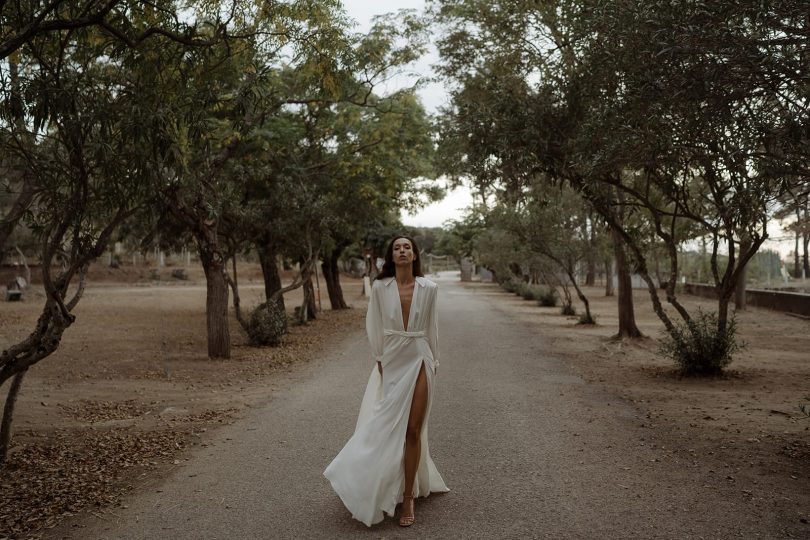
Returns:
point(413, 441)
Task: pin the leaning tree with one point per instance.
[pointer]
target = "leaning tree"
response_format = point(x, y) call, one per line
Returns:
point(81, 117)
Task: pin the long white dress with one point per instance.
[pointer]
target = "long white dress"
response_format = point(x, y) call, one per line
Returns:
point(368, 474)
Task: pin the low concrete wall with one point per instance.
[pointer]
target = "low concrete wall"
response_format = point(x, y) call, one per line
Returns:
point(789, 302)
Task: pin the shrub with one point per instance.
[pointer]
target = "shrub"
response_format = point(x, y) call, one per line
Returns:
point(520, 286)
point(697, 346)
point(512, 285)
point(586, 319)
point(568, 309)
point(267, 324)
point(528, 292)
point(547, 297)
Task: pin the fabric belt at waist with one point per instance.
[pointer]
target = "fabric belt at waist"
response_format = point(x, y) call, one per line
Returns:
point(389, 332)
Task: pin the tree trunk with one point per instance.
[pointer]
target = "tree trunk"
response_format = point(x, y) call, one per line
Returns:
point(8, 414)
point(797, 260)
point(608, 276)
point(739, 287)
point(272, 279)
point(722, 315)
point(566, 299)
point(627, 317)
point(797, 265)
point(331, 275)
point(657, 270)
point(216, 303)
point(588, 318)
point(309, 298)
point(590, 276)
point(233, 281)
point(739, 291)
point(589, 232)
point(308, 306)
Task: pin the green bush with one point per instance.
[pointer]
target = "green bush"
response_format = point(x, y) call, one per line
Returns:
point(520, 286)
point(568, 309)
point(698, 348)
point(547, 297)
point(509, 285)
point(586, 319)
point(528, 292)
point(267, 324)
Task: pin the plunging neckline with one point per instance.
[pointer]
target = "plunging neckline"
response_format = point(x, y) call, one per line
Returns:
point(410, 307)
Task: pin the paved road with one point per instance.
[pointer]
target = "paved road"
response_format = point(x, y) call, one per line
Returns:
point(528, 450)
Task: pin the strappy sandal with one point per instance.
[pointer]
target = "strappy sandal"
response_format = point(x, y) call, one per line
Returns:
point(407, 521)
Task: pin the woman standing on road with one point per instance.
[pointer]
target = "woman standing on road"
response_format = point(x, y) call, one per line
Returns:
point(387, 460)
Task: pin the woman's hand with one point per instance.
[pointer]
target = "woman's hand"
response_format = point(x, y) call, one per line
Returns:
point(379, 367)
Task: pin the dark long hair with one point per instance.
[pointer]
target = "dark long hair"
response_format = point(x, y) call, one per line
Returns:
point(389, 269)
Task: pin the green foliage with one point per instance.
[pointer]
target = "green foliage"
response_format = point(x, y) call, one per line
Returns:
point(661, 115)
point(510, 285)
point(523, 289)
point(530, 292)
point(547, 297)
point(461, 236)
point(267, 324)
point(699, 347)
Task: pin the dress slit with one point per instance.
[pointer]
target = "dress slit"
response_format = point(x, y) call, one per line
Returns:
point(423, 446)
point(410, 403)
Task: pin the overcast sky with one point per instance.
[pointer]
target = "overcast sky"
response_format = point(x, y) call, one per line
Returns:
point(433, 96)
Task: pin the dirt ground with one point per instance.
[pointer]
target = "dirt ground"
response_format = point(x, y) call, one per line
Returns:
point(131, 387)
point(747, 422)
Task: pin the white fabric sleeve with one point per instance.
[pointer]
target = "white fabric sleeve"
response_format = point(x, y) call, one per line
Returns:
point(433, 328)
point(374, 323)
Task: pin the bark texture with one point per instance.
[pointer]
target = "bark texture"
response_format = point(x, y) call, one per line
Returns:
point(272, 279)
point(8, 414)
point(627, 315)
point(331, 275)
point(216, 303)
point(309, 300)
point(739, 288)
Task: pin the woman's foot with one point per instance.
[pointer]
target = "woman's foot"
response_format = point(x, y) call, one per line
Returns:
point(407, 518)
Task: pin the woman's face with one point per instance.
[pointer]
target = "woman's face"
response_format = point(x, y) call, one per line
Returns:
point(403, 252)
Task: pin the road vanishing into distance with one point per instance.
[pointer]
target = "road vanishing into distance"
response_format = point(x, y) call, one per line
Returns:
point(527, 448)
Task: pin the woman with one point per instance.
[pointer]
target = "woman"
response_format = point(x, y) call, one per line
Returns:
point(387, 460)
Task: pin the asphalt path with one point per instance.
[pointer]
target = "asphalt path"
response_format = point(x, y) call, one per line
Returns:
point(527, 448)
